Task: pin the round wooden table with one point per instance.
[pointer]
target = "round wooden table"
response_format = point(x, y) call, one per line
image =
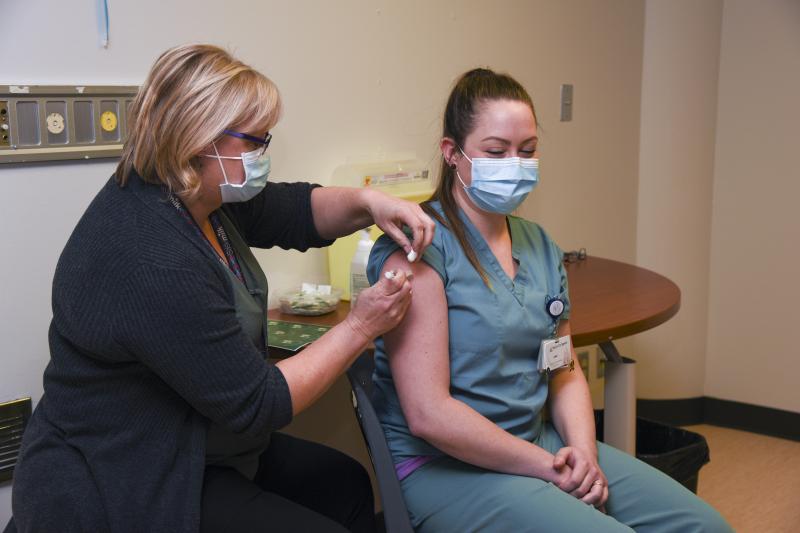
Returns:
point(611, 300)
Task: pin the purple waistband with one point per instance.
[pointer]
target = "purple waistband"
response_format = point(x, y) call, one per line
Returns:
point(405, 468)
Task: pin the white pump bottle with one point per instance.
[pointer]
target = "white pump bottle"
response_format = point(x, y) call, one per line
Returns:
point(358, 266)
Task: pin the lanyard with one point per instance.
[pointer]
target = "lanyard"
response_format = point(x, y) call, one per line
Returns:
point(232, 263)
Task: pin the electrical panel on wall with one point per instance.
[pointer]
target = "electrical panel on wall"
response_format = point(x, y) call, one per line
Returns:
point(57, 122)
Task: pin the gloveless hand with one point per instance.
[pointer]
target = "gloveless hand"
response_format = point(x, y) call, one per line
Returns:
point(381, 307)
point(580, 475)
point(391, 214)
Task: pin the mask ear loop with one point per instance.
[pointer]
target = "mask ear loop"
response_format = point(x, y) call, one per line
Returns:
point(453, 166)
point(219, 159)
point(462, 181)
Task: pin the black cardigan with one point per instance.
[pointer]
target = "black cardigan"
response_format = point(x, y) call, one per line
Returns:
point(145, 350)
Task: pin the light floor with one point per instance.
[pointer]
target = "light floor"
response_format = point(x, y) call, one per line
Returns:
point(753, 480)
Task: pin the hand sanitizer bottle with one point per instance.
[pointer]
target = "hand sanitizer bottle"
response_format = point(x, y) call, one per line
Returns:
point(358, 267)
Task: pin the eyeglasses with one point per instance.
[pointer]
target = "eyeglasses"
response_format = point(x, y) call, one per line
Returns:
point(252, 138)
point(575, 255)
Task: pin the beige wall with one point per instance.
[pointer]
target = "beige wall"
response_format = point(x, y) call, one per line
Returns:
point(676, 171)
point(752, 355)
point(589, 166)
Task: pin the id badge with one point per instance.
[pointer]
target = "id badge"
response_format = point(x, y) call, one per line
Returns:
point(555, 354)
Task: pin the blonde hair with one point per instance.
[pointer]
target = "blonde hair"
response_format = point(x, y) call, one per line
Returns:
point(192, 93)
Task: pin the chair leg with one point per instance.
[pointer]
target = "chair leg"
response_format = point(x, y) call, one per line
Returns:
point(380, 522)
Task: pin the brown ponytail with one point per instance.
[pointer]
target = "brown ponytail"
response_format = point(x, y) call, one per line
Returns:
point(471, 91)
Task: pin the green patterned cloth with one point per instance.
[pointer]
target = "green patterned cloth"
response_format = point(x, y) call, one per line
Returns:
point(292, 335)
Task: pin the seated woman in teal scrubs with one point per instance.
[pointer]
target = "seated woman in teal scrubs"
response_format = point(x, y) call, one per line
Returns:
point(458, 386)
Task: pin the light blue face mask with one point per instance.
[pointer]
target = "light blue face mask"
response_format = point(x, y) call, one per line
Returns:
point(256, 171)
point(499, 185)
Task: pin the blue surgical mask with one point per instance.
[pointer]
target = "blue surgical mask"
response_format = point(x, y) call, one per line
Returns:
point(256, 171)
point(500, 185)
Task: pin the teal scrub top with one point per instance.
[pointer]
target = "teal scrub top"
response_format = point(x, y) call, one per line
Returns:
point(223, 447)
point(495, 331)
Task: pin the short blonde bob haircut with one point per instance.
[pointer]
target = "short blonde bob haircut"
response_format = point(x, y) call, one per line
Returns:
point(192, 93)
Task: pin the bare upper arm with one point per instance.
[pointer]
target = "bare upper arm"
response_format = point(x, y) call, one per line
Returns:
point(418, 348)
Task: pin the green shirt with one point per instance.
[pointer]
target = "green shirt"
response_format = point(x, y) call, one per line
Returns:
point(223, 447)
point(495, 331)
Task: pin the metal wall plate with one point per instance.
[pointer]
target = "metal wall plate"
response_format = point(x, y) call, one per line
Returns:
point(14, 416)
point(58, 122)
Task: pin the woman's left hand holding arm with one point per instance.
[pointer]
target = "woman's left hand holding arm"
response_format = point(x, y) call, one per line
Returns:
point(339, 211)
point(573, 417)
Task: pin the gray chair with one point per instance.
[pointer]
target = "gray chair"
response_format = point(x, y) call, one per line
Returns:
point(395, 514)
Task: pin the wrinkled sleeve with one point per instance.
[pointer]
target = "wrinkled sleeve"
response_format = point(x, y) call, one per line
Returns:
point(183, 327)
point(385, 247)
point(280, 215)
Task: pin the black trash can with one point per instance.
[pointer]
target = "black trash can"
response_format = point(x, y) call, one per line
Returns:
point(677, 452)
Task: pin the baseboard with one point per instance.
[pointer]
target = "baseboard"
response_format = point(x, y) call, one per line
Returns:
point(681, 412)
point(754, 418)
point(725, 413)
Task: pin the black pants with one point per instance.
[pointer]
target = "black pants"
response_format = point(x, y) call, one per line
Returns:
point(300, 486)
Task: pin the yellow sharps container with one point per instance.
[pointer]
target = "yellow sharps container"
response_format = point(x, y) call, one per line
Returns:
point(408, 179)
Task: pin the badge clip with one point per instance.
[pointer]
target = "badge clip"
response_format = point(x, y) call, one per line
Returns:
point(554, 307)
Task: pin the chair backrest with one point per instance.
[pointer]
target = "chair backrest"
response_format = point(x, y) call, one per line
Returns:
point(395, 514)
point(10, 527)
